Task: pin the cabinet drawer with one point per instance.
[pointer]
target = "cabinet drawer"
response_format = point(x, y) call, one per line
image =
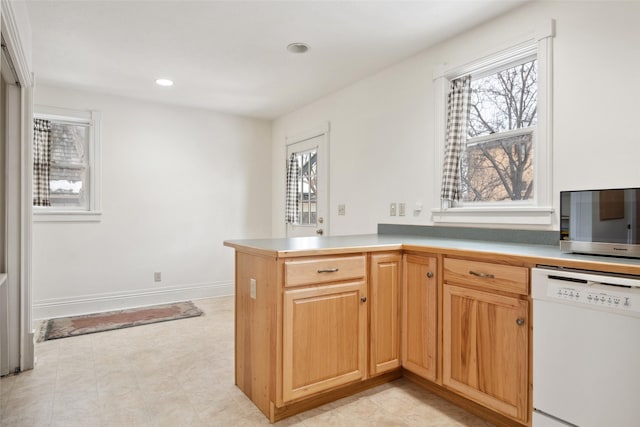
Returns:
point(500, 277)
point(323, 270)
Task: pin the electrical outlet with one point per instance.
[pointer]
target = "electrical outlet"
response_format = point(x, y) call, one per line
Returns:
point(252, 288)
point(341, 209)
point(157, 276)
point(401, 209)
point(392, 209)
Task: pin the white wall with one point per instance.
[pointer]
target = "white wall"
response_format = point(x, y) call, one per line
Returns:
point(382, 127)
point(176, 182)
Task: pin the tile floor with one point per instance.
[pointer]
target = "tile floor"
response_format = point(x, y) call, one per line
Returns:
point(180, 373)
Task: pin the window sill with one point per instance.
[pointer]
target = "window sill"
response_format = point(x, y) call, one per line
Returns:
point(67, 216)
point(493, 215)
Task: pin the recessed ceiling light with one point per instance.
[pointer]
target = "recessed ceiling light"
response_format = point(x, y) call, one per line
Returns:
point(298, 48)
point(164, 82)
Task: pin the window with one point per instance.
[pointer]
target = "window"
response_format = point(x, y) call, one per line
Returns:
point(504, 153)
point(497, 163)
point(66, 165)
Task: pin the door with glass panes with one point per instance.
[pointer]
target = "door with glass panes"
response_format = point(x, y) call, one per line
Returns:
point(308, 202)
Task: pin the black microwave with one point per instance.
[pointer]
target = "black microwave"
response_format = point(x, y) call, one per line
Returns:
point(602, 222)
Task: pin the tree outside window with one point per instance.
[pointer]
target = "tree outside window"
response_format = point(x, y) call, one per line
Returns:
point(497, 164)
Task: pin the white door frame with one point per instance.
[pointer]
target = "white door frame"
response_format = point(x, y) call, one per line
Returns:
point(323, 175)
point(18, 197)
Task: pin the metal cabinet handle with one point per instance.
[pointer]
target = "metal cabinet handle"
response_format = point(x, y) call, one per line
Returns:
point(519, 321)
point(429, 274)
point(327, 270)
point(363, 299)
point(484, 275)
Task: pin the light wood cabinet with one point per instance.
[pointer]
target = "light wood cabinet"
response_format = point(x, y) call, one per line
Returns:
point(485, 338)
point(312, 329)
point(419, 316)
point(384, 311)
point(487, 275)
point(326, 269)
point(324, 338)
point(301, 330)
point(255, 315)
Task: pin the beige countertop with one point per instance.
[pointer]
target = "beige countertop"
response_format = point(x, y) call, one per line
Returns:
point(526, 253)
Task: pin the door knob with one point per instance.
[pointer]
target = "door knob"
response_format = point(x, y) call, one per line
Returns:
point(429, 274)
point(363, 299)
point(519, 321)
point(320, 231)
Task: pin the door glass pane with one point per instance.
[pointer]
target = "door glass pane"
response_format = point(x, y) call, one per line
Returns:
point(308, 179)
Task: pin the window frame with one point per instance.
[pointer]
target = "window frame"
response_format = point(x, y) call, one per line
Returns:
point(66, 214)
point(539, 210)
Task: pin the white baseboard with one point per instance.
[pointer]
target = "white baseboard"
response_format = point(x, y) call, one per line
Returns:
point(84, 304)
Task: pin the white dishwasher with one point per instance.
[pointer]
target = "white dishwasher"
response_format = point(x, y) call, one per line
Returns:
point(586, 349)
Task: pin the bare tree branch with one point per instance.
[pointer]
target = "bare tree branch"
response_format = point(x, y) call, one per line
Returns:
point(501, 169)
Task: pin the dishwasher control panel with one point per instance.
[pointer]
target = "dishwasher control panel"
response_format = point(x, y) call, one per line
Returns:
point(595, 294)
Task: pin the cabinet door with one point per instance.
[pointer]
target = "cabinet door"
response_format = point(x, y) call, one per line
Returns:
point(419, 318)
point(485, 353)
point(385, 312)
point(324, 338)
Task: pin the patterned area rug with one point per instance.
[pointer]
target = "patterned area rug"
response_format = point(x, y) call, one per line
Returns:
point(91, 323)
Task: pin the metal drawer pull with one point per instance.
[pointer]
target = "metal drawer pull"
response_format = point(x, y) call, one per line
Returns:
point(363, 299)
point(485, 275)
point(429, 274)
point(519, 322)
point(327, 270)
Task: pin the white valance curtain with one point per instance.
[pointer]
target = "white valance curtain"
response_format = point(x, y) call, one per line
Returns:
point(457, 119)
point(292, 215)
point(41, 162)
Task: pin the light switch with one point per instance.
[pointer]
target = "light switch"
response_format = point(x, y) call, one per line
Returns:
point(341, 209)
point(252, 288)
point(417, 209)
point(392, 209)
point(401, 209)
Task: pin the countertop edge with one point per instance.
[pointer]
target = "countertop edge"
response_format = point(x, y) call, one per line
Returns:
point(251, 249)
point(292, 253)
point(515, 253)
point(606, 264)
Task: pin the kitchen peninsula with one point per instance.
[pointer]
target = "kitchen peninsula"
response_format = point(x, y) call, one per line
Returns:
point(320, 318)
